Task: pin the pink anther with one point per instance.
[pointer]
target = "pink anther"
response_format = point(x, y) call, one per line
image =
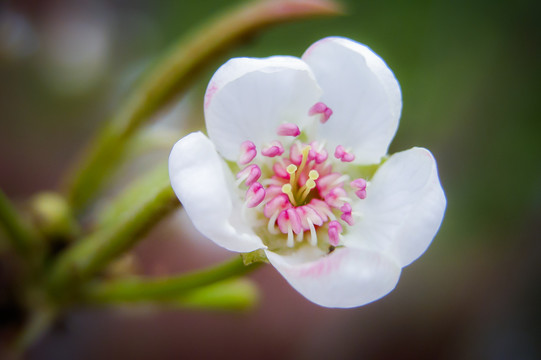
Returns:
point(326, 183)
point(288, 129)
point(321, 208)
point(274, 149)
point(295, 154)
point(318, 153)
point(334, 197)
point(321, 156)
point(280, 170)
point(335, 229)
point(346, 214)
point(255, 195)
point(360, 186)
point(247, 152)
point(289, 219)
point(343, 155)
point(321, 108)
point(306, 213)
point(278, 203)
point(273, 191)
point(250, 174)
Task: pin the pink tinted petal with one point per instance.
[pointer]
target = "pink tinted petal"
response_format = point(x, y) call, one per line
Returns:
point(206, 189)
point(343, 279)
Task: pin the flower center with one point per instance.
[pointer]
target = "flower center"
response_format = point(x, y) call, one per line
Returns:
point(303, 195)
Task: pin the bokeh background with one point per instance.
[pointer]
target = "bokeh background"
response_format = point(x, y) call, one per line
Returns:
point(469, 72)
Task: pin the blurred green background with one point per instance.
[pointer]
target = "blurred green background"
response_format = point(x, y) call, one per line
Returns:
point(469, 73)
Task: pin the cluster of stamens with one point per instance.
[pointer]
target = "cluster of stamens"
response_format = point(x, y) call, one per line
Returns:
point(300, 192)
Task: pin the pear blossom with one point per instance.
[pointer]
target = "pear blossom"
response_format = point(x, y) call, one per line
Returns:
point(295, 164)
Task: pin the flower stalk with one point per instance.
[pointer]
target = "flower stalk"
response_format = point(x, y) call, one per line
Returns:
point(162, 289)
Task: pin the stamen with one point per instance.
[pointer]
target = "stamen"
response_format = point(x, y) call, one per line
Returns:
point(336, 197)
point(347, 215)
point(247, 152)
point(272, 221)
point(251, 174)
point(321, 108)
point(255, 195)
point(294, 154)
point(286, 189)
point(278, 203)
point(313, 233)
point(290, 242)
point(322, 209)
point(289, 222)
point(274, 149)
point(279, 170)
point(288, 129)
point(335, 229)
point(320, 153)
point(360, 185)
point(343, 155)
point(328, 182)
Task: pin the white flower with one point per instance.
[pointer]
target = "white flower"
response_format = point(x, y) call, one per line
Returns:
point(296, 165)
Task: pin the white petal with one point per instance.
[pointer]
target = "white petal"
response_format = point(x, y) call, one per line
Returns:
point(363, 94)
point(343, 279)
point(205, 187)
point(247, 99)
point(403, 208)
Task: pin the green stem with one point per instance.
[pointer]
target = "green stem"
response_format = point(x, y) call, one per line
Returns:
point(94, 252)
point(172, 76)
point(237, 294)
point(21, 237)
point(137, 289)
